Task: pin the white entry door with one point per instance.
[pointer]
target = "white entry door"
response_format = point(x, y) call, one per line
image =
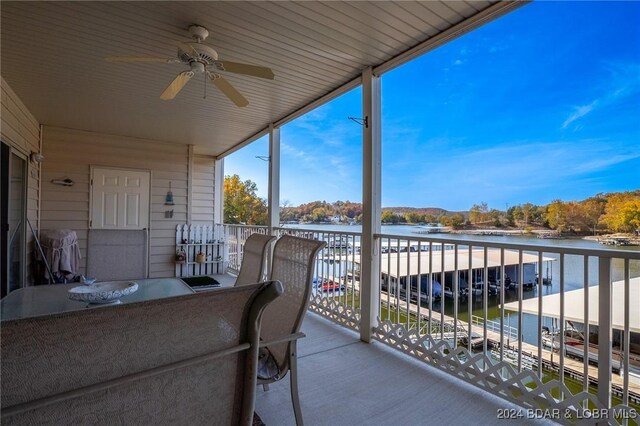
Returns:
point(119, 199)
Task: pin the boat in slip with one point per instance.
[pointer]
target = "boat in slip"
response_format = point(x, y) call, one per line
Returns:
point(327, 285)
point(574, 347)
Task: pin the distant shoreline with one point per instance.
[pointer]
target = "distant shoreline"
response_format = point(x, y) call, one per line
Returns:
point(545, 233)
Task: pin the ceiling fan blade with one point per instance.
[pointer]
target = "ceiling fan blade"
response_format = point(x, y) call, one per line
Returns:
point(230, 92)
point(137, 59)
point(239, 68)
point(188, 49)
point(176, 85)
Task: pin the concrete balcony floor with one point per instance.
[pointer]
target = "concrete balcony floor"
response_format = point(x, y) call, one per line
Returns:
point(344, 381)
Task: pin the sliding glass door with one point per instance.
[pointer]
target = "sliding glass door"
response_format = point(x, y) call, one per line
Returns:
point(14, 190)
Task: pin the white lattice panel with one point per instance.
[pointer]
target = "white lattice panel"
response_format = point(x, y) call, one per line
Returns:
point(347, 316)
point(501, 378)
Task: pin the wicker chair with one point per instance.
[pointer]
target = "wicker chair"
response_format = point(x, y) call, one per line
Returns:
point(253, 259)
point(293, 265)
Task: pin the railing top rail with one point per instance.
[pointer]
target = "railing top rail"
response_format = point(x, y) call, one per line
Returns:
point(324, 231)
point(581, 251)
point(614, 253)
point(237, 225)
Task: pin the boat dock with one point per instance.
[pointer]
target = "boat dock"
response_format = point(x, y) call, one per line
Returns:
point(550, 360)
point(618, 241)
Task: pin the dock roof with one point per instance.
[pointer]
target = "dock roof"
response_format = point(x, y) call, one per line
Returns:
point(574, 305)
point(403, 264)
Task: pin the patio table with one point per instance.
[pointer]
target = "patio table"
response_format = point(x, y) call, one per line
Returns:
point(50, 299)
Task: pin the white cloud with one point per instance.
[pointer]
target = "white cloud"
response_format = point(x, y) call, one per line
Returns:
point(290, 150)
point(579, 112)
point(623, 80)
point(602, 163)
point(516, 172)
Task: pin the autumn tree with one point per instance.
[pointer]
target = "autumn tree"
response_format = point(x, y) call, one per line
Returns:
point(241, 203)
point(556, 215)
point(479, 213)
point(455, 220)
point(429, 218)
point(574, 217)
point(510, 216)
point(388, 216)
point(319, 214)
point(528, 211)
point(516, 213)
point(495, 215)
point(622, 213)
point(592, 209)
point(413, 217)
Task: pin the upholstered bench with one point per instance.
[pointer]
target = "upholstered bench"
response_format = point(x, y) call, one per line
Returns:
point(181, 360)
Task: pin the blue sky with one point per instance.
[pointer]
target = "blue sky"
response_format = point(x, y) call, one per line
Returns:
point(541, 104)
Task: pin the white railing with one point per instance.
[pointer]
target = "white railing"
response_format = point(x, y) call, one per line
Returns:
point(495, 327)
point(430, 287)
point(539, 361)
point(336, 291)
point(237, 235)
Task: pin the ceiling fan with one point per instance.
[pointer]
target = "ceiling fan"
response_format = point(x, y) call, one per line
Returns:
point(201, 59)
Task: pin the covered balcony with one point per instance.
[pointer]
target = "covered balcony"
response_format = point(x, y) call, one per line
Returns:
point(385, 344)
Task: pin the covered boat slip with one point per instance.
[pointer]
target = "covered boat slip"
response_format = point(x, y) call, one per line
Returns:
point(574, 305)
point(574, 314)
point(418, 263)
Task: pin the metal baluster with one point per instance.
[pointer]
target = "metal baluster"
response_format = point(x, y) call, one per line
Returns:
point(419, 288)
point(352, 267)
point(540, 312)
point(520, 286)
point(397, 295)
point(456, 293)
point(407, 292)
point(502, 305)
point(562, 325)
point(389, 289)
point(470, 298)
point(626, 338)
point(485, 296)
point(585, 353)
point(430, 284)
point(442, 280)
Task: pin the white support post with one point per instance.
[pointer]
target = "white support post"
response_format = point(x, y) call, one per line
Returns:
point(604, 331)
point(371, 204)
point(218, 191)
point(274, 178)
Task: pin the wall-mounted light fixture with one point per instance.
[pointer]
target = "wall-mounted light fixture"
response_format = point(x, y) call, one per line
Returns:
point(36, 157)
point(63, 182)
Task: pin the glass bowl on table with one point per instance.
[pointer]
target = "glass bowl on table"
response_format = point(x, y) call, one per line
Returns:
point(101, 293)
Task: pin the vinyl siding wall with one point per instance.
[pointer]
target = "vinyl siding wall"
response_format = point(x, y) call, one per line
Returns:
point(202, 190)
point(70, 153)
point(21, 131)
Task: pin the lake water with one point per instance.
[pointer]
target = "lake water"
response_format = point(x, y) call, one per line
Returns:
point(573, 265)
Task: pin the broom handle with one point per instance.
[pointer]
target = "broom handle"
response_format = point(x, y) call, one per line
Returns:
point(44, 259)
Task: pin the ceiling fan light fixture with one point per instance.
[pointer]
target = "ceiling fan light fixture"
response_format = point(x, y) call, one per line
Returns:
point(197, 67)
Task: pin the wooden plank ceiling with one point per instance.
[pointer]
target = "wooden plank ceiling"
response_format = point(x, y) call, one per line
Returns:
point(53, 58)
